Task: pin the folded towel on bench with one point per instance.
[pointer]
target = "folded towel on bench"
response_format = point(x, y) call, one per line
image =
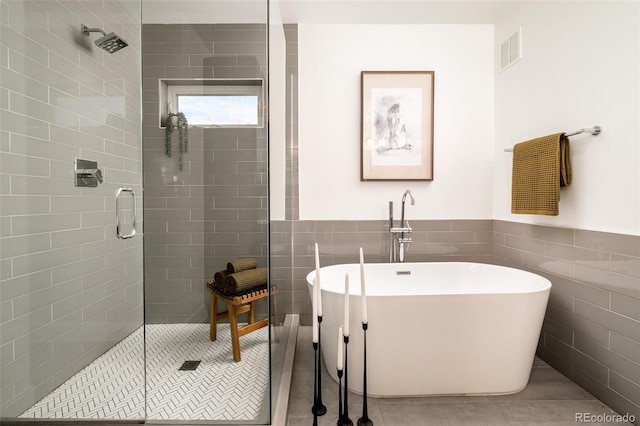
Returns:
point(242, 281)
point(218, 279)
point(240, 265)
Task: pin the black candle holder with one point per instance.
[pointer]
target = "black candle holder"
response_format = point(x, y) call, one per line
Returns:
point(339, 397)
point(315, 383)
point(346, 421)
point(318, 407)
point(364, 420)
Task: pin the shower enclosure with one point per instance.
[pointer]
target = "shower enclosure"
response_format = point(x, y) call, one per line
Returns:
point(106, 240)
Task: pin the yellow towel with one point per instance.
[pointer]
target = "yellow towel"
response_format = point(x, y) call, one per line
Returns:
point(540, 167)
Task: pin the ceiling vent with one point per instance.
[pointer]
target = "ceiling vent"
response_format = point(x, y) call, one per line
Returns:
point(511, 50)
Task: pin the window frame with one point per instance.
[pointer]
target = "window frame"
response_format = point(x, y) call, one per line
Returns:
point(172, 89)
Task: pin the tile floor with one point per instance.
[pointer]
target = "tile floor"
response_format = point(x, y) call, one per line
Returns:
point(549, 399)
point(113, 386)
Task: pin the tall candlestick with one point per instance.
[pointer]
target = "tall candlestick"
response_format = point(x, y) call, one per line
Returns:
point(346, 421)
point(317, 252)
point(315, 312)
point(318, 407)
point(318, 289)
point(340, 355)
point(363, 293)
point(346, 305)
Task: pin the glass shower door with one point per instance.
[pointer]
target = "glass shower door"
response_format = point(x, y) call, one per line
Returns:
point(74, 312)
point(205, 205)
point(71, 291)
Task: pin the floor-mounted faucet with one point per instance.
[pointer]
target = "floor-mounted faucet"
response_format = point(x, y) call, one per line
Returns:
point(399, 243)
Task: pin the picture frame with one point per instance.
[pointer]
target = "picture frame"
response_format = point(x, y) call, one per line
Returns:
point(397, 125)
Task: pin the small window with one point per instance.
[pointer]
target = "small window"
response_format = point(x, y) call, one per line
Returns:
point(216, 102)
point(219, 110)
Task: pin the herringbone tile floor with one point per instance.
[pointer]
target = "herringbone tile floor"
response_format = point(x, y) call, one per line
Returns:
point(113, 387)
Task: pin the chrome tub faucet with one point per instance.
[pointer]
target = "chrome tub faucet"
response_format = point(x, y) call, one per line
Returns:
point(399, 243)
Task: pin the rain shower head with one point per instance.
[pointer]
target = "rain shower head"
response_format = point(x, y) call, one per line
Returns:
point(111, 42)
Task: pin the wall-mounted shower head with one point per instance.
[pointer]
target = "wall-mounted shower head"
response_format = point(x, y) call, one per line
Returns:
point(111, 42)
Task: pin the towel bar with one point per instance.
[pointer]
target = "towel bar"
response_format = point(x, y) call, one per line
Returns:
point(595, 130)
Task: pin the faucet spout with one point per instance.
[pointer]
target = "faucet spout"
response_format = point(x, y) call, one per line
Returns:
point(413, 203)
point(404, 197)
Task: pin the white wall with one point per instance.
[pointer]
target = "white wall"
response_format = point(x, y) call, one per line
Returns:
point(580, 68)
point(331, 58)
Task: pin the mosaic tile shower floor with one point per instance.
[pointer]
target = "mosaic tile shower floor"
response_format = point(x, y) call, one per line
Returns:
point(112, 387)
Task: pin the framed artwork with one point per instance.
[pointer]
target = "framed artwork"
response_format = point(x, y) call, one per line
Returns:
point(397, 125)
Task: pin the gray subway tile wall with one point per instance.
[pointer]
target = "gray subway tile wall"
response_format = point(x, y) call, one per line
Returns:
point(291, 112)
point(281, 231)
point(591, 331)
point(70, 289)
point(215, 208)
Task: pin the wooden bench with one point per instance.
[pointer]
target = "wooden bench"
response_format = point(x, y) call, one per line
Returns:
point(236, 305)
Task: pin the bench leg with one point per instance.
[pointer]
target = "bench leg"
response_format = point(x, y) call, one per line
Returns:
point(235, 336)
point(252, 312)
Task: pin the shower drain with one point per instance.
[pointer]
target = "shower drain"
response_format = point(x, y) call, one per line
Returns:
point(189, 365)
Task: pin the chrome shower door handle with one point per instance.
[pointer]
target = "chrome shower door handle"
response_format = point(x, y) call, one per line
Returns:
point(119, 221)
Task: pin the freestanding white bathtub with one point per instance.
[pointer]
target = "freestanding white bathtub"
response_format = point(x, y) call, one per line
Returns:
point(448, 328)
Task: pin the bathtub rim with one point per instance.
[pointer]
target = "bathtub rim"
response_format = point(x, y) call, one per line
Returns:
point(354, 289)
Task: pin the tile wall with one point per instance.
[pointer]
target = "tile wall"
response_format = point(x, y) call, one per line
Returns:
point(291, 200)
point(591, 331)
point(215, 208)
point(281, 231)
point(69, 288)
